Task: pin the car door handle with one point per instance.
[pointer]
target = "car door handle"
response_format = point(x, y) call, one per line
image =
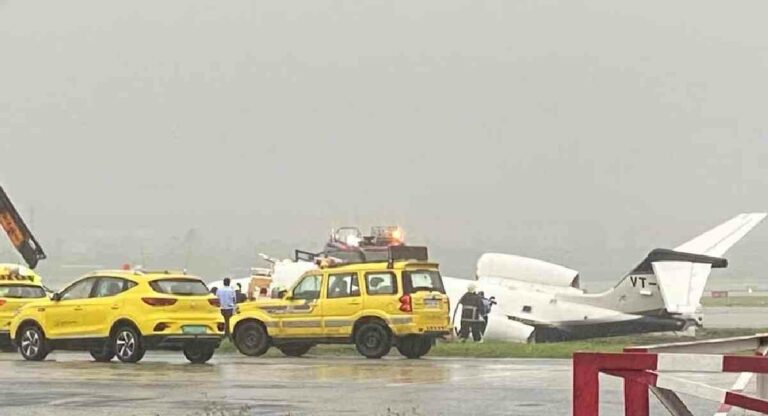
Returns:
point(354, 302)
point(78, 308)
point(115, 307)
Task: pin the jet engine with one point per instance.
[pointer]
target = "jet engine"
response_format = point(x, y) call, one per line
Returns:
point(503, 268)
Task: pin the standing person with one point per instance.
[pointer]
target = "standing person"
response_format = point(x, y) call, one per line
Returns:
point(487, 305)
point(240, 297)
point(227, 302)
point(471, 306)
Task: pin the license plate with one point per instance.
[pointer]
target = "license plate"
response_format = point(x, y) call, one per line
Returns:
point(193, 329)
point(431, 303)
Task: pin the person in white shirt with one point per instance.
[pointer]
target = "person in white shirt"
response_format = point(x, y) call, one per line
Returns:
point(227, 301)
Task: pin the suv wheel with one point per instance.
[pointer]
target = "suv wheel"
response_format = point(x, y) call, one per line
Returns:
point(127, 345)
point(198, 354)
point(373, 340)
point(295, 349)
point(414, 346)
point(251, 339)
point(425, 346)
point(103, 353)
point(32, 344)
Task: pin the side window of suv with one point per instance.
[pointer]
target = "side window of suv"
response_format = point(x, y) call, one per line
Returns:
point(308, 288)
point(380, 283)
point(343, 285)
point(79, 290)
point(111, 286)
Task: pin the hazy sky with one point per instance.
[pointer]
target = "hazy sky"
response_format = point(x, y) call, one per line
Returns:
point(586, 133)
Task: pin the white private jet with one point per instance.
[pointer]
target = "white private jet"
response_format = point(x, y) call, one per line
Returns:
point(542, 302)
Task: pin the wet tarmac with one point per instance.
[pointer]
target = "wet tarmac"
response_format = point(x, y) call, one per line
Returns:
point(164, 384)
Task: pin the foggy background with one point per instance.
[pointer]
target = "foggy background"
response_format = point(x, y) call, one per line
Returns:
point(198, 133)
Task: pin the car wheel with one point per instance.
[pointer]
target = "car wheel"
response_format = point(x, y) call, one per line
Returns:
point(32, 344)
point(103, 353)
point(251, 339)
point(373, 340)
point(406, 346)
point(198, 354)
point(127, 345)
point(414, 346)
point(425, 347)
point(295, 349)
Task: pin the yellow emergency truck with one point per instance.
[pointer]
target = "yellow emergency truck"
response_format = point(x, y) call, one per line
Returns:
point(374, 305)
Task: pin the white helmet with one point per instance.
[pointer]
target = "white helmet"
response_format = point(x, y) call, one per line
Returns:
point(471, 288)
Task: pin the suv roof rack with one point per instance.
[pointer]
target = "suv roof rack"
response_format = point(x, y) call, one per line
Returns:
point(362, 255)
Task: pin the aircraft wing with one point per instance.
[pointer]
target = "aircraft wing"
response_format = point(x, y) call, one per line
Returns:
point(18, 232)
point(718, 240)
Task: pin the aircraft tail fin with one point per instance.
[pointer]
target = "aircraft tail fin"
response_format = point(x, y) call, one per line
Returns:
point(682, 274)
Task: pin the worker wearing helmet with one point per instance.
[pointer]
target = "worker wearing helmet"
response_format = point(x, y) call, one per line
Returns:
point(471, 320)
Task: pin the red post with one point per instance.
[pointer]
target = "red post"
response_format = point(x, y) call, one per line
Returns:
point(586, 385)
point(635, 399)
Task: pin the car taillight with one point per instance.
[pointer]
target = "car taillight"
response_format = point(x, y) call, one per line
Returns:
point(405, 303)
point(159, 301)
point(2, 302)
point(214, 302)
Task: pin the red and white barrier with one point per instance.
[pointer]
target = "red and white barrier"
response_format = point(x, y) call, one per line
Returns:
point(742, 382)
point(643, 370)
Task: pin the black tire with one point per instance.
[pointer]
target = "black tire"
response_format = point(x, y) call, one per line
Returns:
point(414, 346)
point(103, 353)
point(295, 350)
point(373, 340)
point(32, 344)
point(426, 346)
point(198, 354)
point(127, 344)
point(251, 339)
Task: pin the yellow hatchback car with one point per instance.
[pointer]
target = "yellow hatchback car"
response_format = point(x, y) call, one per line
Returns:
point(373, 305)
point(18, 287)
point(122, 313)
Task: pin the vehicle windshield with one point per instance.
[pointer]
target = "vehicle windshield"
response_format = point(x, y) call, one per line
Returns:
point(181, 287)
point(21, 292)
point(422, 280)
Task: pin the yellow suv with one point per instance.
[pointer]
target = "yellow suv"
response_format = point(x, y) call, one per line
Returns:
point(122, 313)
point(18, 286)
point(372, 305)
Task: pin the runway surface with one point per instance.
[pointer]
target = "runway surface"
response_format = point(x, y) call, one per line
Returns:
point(735, 317)
point(164, 384)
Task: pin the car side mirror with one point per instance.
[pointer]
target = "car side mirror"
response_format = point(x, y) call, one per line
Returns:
point(56, 297)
